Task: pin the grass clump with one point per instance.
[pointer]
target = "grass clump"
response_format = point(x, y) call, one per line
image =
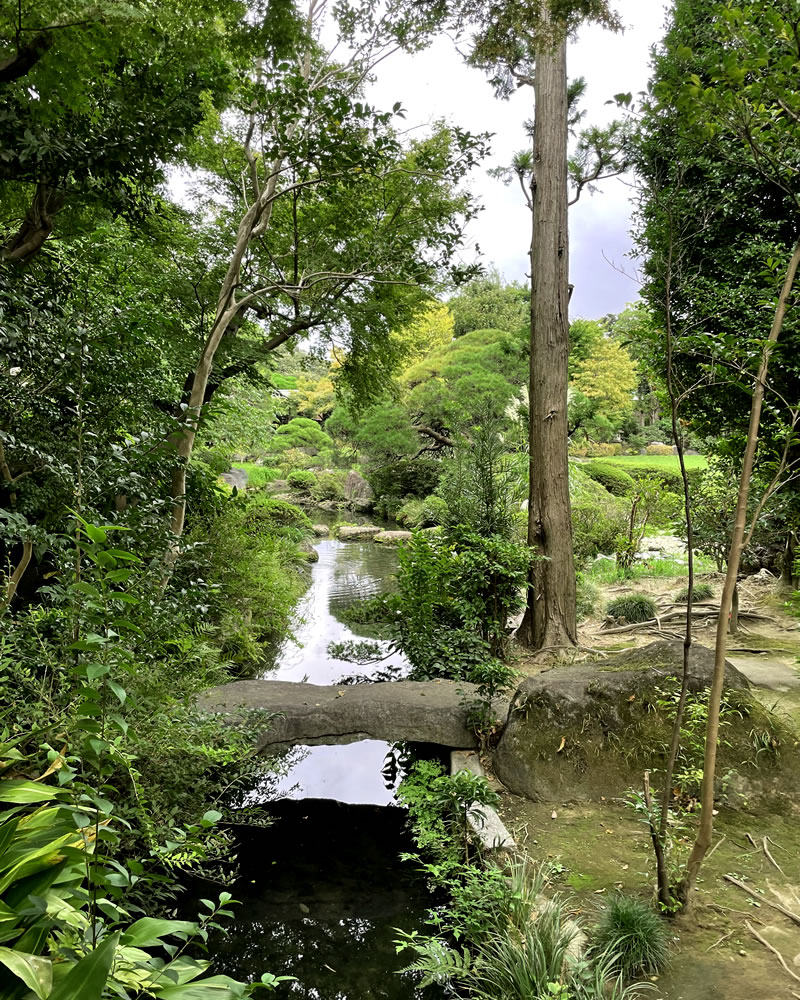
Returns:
point(632, 608)
point(634, 934)
point(700, 592)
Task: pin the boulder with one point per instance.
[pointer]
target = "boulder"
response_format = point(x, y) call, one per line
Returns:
point(308, 552)
point(357, 532)
point(356, 487)
point(321, 530)
point(391, 537)
point(235, 478)
point(312, 714)
point(587, 730)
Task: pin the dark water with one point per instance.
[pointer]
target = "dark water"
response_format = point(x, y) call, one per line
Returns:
point(323, 888)
point(321, 894)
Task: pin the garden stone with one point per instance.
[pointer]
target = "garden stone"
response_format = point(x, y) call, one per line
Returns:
point(358, 532)
point(391, 537)
point(321, 530)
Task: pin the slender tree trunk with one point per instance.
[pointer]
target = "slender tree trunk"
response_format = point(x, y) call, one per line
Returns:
point(19, 571)
point(550, 615)
point(733, 622)
point(787, 566)
point(665, 896)
point(37, 225)
point(706, 828)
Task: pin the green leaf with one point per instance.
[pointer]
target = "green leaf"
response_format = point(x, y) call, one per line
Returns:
point(213, 988)
point(148, 931)
point(118, 690)
point(36, 972)
point(97, 535)
point(18, 790)
point(87, 979)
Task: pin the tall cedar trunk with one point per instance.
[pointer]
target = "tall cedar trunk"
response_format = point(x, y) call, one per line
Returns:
point(550, 615)
point(706, 828)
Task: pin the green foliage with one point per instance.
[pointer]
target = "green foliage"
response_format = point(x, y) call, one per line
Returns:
point(102, 839)
point(255, 561)
point(588, 594)
point(456, 592)
point(480, 486)
point(614, 479)
point(328, 486)
point(635, 935)
point(301, 479)
point(598, 518)
point(303, 434)
point(258, 475)
point(430, 512)
point(700, 592)
point(489, 304)
point(632, 608)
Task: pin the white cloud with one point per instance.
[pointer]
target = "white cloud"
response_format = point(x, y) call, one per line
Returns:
point(436, 84)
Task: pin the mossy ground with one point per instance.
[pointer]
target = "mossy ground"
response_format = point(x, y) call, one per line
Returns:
point(600, 848)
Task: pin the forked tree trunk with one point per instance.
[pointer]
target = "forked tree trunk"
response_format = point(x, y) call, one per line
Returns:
point(706, 828)
point(550, 615)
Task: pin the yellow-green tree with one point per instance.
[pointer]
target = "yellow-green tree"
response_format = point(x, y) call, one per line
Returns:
point(602, 388)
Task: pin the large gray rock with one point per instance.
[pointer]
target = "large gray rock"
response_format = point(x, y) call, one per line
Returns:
point(391, 537)
point(235, 477)
point(420, 711)
point(587, 730)
point(356, 487)
point(357, 532)
point(321, 530)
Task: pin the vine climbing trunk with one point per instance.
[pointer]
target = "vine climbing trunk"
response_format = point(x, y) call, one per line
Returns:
point(706, 828)
point(550, 616)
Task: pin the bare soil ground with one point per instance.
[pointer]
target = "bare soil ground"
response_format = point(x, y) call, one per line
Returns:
point(600, 848)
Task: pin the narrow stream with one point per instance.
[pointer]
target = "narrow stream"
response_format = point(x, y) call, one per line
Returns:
point(322, 888)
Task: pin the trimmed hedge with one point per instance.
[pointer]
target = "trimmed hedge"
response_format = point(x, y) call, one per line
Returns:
point(617, 481)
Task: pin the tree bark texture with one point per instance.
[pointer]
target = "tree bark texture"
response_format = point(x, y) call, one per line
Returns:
point(550, 616)
point(706, 828)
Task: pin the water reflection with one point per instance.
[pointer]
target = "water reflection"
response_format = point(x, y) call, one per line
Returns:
point(346, 572)
point(352, 773)
point(321, 893)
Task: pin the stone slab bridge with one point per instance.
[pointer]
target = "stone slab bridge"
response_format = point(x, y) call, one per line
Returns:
point(312, 714)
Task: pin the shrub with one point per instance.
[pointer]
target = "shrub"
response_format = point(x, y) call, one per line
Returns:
point(597, 516)
point(634, 934)
point(601, 449)
point(659, 449)
point(700, 592)
point(587, 597)
point(328, 486)
point(632, 608)
point(301, 433)
point(412, 478)
point(301, 479)
point(263, 514)
point(615, 480)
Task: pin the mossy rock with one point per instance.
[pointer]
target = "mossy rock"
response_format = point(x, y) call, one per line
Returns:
point(591, 730)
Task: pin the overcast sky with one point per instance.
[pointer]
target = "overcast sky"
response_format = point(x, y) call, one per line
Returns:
point(436, 84)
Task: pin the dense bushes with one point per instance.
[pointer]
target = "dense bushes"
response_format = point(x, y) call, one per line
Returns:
point(598, 518)
point(614, 479)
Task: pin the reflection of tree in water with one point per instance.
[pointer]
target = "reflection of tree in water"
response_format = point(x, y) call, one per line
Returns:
point(322, 890)
point(333, 959)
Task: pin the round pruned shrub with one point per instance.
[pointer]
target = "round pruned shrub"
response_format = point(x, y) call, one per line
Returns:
point(301, 479)
point(632, 608)
point(265, 515)
point(700, 592)
point(633, 936)
point(615, 480)
point(328, 486)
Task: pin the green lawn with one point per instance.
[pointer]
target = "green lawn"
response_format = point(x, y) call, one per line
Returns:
point(654, 461)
